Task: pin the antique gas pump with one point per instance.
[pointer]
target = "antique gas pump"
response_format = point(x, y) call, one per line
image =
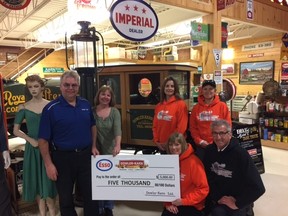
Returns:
point(85, 63)
point(85, 58)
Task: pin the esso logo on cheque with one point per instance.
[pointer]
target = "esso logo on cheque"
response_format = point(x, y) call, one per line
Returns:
point(104, 165)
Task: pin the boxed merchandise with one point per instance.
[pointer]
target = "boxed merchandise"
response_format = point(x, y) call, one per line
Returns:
point(116, 52)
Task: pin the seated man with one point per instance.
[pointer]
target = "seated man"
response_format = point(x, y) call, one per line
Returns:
point(232, 176)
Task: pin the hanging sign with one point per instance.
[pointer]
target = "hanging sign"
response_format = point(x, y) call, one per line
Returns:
point(88, 10)
point(250, 10)
point(223, 4)
point(134, 19)
point(217, 56)
point(224, 35)
point(200, 31)
point(15, 4)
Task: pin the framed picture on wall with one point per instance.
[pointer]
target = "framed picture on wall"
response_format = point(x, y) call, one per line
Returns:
point(256, 73)
point(228, 69)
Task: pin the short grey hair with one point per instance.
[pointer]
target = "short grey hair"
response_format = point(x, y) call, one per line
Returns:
point(221, 122)
point(70, 73)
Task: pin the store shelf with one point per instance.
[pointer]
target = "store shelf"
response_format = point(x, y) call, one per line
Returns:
point(275, 114)
point(273, 144)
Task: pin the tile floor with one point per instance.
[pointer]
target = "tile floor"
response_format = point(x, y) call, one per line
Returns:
point(273, 203)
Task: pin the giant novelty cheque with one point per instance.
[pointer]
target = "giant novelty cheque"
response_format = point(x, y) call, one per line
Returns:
point(135, 177)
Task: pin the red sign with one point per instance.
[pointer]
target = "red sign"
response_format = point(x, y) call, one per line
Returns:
point(15, 4)
point(255, 55)
point(284, 71)
point(222, 4)
point(134, 19)
point(224, 35)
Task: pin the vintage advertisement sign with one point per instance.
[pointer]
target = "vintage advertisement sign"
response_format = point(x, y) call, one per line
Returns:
point(200, 31)
point(224, 35)
point(255, 55)
point(134, 19)
point(17, 93)
point(218, 77)
point(258, 46)
point(217, 56)
point(222, 4)
point(15, 4)
point(53, 70)
point(250, 10)
point(249, 138)
point(141, 121)
point(147, 177)
point(284, 78)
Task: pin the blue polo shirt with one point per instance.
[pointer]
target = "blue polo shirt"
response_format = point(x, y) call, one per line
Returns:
point(66, 126)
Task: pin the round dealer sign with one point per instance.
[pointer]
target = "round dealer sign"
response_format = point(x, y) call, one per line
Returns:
point(15, 4)
point(134, 19)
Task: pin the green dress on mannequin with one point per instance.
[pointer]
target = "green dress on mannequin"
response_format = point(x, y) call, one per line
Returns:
point(35, 180)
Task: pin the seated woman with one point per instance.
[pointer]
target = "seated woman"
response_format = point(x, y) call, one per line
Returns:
point(193, 182)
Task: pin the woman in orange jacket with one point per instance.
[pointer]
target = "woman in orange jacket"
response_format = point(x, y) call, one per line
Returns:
point(193, 182)
point(171, 114)
point(209, 108)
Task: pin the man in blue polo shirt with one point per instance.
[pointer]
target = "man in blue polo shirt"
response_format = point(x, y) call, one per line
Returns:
point(67, 126)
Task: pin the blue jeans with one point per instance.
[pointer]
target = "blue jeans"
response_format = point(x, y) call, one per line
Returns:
point(105, 204)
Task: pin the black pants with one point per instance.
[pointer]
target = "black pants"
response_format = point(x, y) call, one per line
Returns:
point(184, 211)
point(72, 166)
point(5, 196)
point(223, 210)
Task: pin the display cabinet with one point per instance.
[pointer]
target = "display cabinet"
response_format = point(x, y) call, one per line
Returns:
point(137, 90)
point(273, 122)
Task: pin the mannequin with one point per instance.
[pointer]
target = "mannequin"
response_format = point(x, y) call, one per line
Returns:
point(36, 184)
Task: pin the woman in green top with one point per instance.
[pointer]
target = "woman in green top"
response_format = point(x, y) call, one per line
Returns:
point(36, 184)
point(108, 123)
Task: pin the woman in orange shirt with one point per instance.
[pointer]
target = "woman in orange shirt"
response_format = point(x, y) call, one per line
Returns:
point(171, 114)
point(209, 108)
point(193, 183)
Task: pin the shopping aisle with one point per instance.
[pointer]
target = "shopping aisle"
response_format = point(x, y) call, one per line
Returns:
point(275, 200)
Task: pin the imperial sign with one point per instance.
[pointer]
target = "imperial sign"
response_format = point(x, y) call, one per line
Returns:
point(15, 4)
point(134, 19)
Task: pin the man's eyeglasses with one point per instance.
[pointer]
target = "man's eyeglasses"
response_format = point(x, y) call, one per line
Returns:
point(67, 85)
point(221, 134)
